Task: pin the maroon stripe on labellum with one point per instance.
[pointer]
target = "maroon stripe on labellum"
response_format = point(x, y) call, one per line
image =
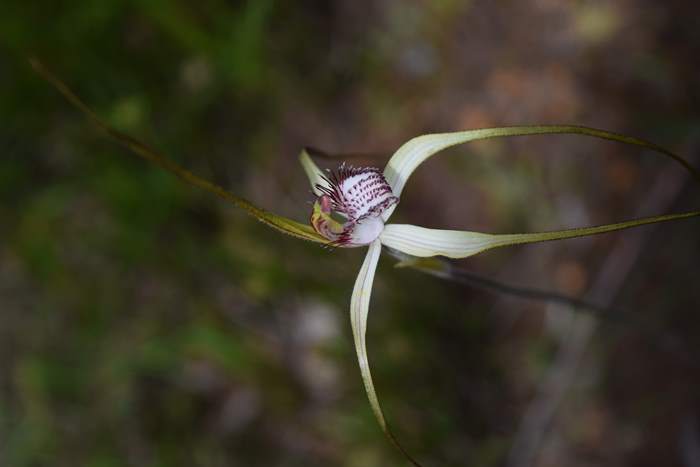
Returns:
point(358, 191)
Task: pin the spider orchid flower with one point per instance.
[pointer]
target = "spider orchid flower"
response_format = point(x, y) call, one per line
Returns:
point(353, 205)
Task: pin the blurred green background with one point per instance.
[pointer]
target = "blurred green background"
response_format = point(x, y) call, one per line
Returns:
point(146, 323)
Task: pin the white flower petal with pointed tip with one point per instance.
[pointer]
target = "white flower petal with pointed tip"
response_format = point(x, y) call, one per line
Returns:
point(354, 204)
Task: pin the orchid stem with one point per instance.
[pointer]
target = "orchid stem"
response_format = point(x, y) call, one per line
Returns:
point(446, 270)
point(465, 277)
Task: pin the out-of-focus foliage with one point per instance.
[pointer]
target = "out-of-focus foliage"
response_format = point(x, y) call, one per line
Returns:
point(146, 323)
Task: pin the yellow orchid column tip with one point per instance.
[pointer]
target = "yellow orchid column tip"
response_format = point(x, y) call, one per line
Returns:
point(348, 211)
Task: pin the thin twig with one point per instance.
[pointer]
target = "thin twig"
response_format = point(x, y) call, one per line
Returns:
point(447, 270)
point(321, 154)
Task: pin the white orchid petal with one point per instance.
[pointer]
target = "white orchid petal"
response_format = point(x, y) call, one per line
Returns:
point(359, 309)
point(409, 156)
point(423, 242)
point(414, 152)
point(314, 174)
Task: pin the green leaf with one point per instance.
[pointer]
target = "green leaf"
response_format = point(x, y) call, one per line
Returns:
point(359, 309)
point(283, 224)
point(423, 242)
point(414, 152)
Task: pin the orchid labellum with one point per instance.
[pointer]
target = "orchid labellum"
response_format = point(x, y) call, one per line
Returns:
point(353, 205)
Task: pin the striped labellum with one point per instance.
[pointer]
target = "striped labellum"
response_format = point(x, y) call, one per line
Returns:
point(348, 211)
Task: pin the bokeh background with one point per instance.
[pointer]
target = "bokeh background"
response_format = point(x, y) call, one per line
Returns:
point(146, 323)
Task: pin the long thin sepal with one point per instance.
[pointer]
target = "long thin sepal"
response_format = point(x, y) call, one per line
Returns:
point(414, 152)
point(283, 224)
point(359, 309)
point(313, 173)
point(423, 242)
